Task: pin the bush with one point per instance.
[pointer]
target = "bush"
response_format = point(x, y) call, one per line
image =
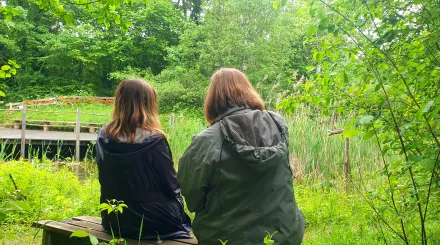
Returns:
point(54, 195)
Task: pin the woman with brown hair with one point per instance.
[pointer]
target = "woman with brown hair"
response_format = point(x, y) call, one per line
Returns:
point(235, 174)
point(135, 165)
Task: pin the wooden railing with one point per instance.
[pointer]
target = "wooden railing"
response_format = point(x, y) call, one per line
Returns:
point(77, 125)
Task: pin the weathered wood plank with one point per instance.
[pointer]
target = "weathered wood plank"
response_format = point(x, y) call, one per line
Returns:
point(56, 231)
point(90, 219)
point(66, 230)
point(97, 221)
point(88, 225)
point(9, 133)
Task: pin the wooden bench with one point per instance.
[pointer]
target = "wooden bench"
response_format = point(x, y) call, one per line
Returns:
point(58, 233)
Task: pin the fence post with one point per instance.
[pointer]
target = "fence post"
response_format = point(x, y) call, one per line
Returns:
point(181, 117)
point(172, 120)
point(347, 170)
point(346, 162)
point(23, 132)
point(78, 131)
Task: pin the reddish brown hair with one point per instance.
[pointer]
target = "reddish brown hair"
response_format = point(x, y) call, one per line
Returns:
point(135, 107)
point(230, 88)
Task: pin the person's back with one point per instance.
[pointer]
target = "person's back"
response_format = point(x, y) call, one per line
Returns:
point(236, 176)
point(135, 166)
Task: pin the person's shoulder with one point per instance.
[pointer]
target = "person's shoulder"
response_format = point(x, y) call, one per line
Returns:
point(102, 132)
point(210, 132)
point(277, 117)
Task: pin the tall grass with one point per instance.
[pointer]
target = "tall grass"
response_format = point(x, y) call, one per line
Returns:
point(321, 155)
point(313, 152)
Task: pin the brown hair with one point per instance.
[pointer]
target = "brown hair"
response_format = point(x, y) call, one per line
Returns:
point(230, 88)
point(135, 107)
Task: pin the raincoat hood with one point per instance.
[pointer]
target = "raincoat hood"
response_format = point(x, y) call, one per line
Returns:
point(115, 152)
point(258, 137)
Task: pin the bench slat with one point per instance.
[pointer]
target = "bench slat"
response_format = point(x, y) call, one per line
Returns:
point(90, 219)
point(92, 225)
point(84, 224)
point(66, 229)
point(97, 221)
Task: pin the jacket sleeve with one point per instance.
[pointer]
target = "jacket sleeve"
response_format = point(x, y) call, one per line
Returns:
point(164, 168)
point(195, 167)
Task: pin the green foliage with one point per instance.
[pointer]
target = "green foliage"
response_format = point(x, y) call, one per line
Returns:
point(113, 206)
point(266, 44)
point(268, 238)
point(379, 62)
point(89, 57)
point(42, 194)
point(78, 59)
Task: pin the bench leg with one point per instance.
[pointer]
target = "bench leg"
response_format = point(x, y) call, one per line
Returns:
point(52, 238)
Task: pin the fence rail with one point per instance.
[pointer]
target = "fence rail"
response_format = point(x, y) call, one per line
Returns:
point(77, 125)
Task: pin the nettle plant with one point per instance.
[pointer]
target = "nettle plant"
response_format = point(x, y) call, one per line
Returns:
point(379, 62)
point(112, 206)
point(267, 239)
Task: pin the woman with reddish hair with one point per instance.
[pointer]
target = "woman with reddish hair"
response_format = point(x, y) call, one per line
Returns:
point(235, 175)
point(135, 165)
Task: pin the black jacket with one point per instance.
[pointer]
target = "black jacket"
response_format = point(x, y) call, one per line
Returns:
point(143, 176)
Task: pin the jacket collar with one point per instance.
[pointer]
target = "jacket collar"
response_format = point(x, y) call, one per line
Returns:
point(228, 112)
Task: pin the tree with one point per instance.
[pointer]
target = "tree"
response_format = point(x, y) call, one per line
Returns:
point(78, 59)
point(248, 35)
point(379, 60)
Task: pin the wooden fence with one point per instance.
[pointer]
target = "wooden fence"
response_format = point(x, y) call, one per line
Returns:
point(77, 125)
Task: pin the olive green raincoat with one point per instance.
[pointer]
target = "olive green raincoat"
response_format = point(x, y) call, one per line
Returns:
point(236, 176)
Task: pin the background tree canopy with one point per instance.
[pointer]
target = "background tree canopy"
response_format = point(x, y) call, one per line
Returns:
point(175, 45)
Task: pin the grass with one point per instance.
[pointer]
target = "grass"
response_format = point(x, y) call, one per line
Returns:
point(322, 155)
point(334, 214)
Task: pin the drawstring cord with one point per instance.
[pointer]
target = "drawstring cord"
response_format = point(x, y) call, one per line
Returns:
point(218, 177)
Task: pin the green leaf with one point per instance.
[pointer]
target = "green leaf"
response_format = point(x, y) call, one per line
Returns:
point(106, 23)
point(366, 119)
point(104, 206)
point(8, 16)
point(312, 30)
point(427, 164)
point(420, 68)
point(79, 233)
point(13, 71)
point(345, 77)
point(93, 240)
point(428, 106)
point(283, 2)
point(276, 4)
point(351, 132)
point(5, 67)
point(8, 75)
point(368, 135)
point(310, 68)
point(68, 18)
point(20, 206)
point(2, 217)
point(2, 94)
